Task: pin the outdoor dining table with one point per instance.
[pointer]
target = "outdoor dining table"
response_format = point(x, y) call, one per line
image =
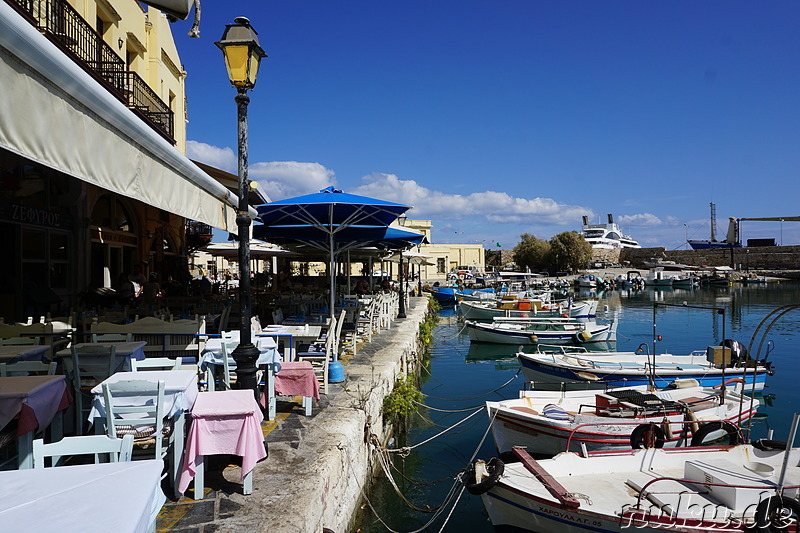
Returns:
point(124, 352)
point(223, 422)
point(211, 357)
point(35, 401)
point(289, 379)
point(123, 497)
point(180, 393)
point(12, 353)
point(304, 333)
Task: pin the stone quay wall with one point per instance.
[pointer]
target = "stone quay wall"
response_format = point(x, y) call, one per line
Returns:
point(317, 472)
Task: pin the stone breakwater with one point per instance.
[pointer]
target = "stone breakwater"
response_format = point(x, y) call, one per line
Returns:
point(318, 466)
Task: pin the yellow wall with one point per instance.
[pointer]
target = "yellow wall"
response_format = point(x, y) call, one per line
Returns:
point(146, 39)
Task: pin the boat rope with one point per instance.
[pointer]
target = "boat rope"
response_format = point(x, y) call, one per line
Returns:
point(449, 410)
point(354, 476)
point(480, 395)
point(405, 450)
point(450, 498)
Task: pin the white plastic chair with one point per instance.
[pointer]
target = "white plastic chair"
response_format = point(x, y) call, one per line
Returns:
point(155, 363)
point(27, 368)
point(118, 450)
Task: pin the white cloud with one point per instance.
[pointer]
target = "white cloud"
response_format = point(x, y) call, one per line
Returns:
point(221, 158)
point(488, 206)
point(642, 220)
point(285, 179)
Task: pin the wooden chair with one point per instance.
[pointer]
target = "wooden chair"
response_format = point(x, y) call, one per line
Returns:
point(27, 368)
point(136, 408)
point(155, 363)
point(20, 341)
point(228, 364)
point(117, 450)
point(88, 366)
point(320, 359)
point(112, 337)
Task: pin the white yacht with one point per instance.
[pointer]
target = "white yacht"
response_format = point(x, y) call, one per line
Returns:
point(606, 236)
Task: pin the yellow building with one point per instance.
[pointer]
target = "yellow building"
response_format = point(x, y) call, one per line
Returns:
point(92, 135)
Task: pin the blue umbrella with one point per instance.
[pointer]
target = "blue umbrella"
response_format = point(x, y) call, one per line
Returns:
point(334, 221)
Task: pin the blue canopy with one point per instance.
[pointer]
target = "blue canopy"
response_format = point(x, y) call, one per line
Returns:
point(344, 238)
point(334, 221)
point(330, 207)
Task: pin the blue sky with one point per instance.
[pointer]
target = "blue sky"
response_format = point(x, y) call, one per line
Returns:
point(499, 118)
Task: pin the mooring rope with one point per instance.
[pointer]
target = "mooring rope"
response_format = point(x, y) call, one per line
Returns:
point(480, 395)
point(407, 449)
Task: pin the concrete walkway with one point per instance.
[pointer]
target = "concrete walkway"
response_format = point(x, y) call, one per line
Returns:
point(316, 466)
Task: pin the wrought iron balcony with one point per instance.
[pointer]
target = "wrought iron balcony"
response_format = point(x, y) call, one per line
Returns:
point(63, 25)
point(198, 235)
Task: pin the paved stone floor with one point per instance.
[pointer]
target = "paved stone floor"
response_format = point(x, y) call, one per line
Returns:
point(223, 474)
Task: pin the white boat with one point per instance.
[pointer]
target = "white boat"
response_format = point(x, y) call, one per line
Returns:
point(525, 308)
point(606, 236)
point(684, 490)
point(550, 422)
point(657, 277)
point(586, 281)
point(526, 331)
point(594, 370)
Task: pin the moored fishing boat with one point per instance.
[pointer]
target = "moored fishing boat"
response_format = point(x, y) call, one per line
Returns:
point(526, 331)
point(526, 308)
point(709, 367)
point(688, 490)
point(550, 422)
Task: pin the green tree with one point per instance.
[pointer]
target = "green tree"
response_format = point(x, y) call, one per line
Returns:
point(532, 253)
point(570, 250)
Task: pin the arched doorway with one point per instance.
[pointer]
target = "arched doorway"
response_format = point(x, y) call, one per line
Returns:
point(114, 240)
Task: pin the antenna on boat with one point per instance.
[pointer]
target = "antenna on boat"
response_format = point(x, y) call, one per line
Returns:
point(789, 444)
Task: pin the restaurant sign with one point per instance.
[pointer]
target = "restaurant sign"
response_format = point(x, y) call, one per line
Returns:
point(33, 215)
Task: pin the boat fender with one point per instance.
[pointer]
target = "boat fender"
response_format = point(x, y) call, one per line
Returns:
point(692, 419)
point(769, 444)
point(647, 436)
point(705, 430)
point(667, 428)
point(493, 470)
point(583, 336)
point(776, 514)
point(534, 338)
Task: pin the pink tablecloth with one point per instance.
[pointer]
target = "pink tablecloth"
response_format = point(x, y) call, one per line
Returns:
point(34, 400)
point(224, 422)
point(296, 379)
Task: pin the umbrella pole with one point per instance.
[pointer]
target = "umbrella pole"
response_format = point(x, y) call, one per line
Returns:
point(349, 290)
point(333, 289)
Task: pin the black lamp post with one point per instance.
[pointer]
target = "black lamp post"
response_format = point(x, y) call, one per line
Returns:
point(401, 308)
point(242, 53)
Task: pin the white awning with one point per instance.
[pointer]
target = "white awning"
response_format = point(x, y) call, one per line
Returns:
point(57, 115)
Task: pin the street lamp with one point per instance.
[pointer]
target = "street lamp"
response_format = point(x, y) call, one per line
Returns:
point(686, 235)
point(401, 307)
point(242, 53)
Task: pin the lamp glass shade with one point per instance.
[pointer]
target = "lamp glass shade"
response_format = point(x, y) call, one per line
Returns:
point(242, 53)
point(242, 68)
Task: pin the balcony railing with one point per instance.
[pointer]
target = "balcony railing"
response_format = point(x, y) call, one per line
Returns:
point(60, 22)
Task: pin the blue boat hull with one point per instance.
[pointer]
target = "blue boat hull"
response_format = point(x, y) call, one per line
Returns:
point(444, 295)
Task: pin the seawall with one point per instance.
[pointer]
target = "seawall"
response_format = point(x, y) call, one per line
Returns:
point(318, 465)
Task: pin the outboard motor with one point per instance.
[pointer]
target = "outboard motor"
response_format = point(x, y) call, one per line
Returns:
point(739, 354)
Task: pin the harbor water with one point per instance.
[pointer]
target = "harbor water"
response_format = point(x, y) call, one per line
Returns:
point(458, 377)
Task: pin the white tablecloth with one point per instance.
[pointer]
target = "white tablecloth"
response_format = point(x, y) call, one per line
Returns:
point(180, 390)
point(118, 497)
point(267, 348)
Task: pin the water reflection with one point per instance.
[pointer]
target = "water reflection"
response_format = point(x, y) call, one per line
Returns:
point(459, 381)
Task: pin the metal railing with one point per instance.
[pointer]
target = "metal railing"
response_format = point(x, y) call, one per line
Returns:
point(61, 23)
